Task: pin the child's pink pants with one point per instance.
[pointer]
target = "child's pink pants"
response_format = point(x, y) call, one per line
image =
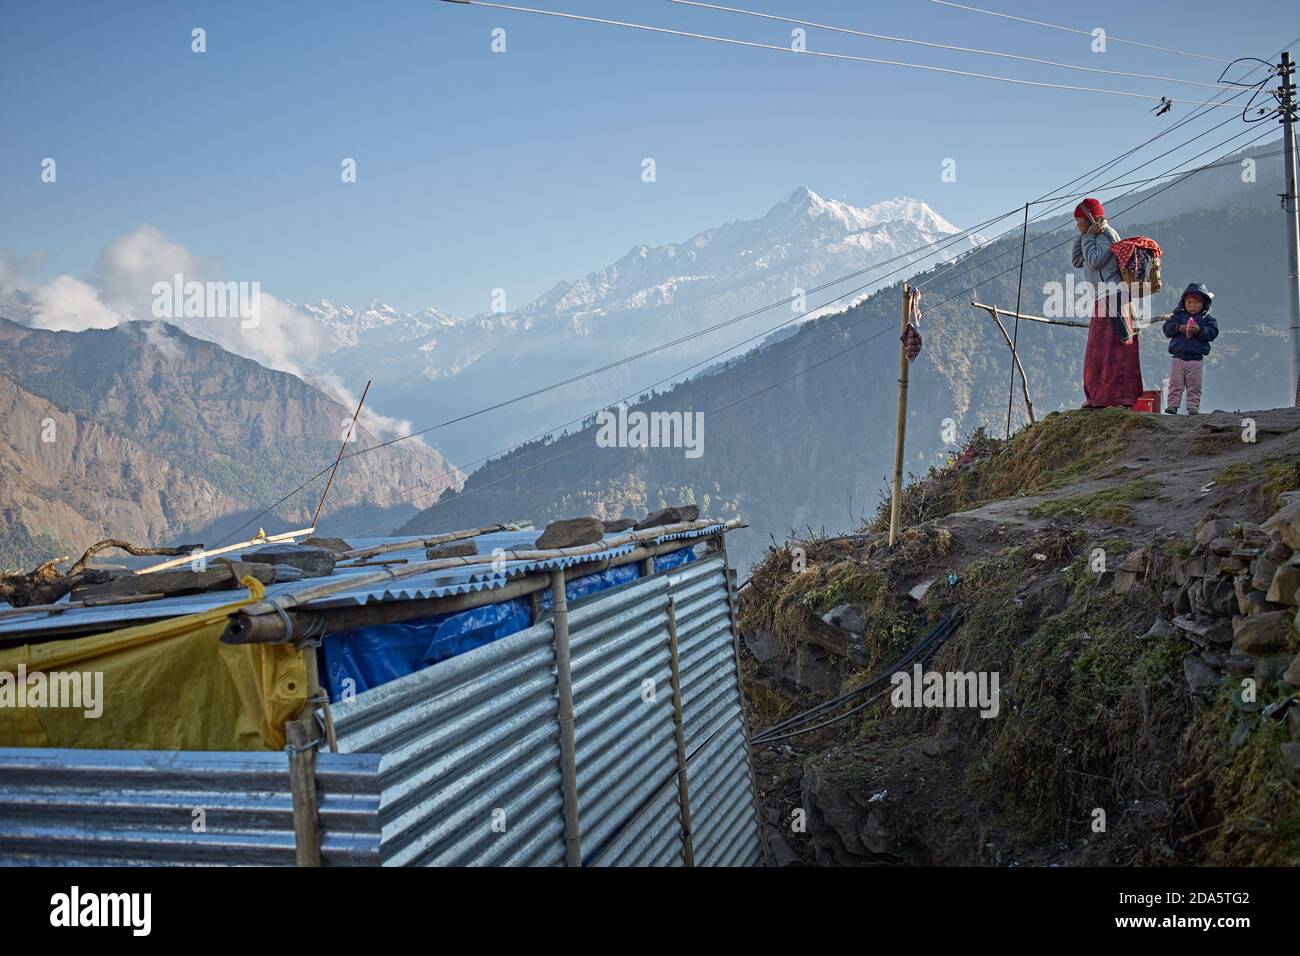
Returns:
point(1185, 375)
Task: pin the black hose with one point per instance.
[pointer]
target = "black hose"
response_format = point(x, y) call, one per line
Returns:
point(937, 635)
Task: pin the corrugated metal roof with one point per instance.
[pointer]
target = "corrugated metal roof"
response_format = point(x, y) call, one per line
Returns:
point(418, 587)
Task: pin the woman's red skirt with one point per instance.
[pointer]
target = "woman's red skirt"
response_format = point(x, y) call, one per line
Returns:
point(1112, 369)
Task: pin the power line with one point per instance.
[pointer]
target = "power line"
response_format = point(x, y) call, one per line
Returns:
point(1088, 33)
point(1175, 182)
point(939, 46)
point(1096, 171)
point(1111, 163)
point(732, 41)
point(1153, 179)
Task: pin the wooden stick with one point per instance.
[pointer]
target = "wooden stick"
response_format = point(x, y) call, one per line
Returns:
point(88, 602)
point(679, 736)
point(564, 706)
point(315, 519)
point(1015, 355)
point(896, 505)
point(239, 546)
point(412, 543)
point(315, 692)
point(128, 548)
point(301, 736)
point(1031, 318)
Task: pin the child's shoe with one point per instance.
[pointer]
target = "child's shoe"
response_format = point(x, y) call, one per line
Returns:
point(1171, 411)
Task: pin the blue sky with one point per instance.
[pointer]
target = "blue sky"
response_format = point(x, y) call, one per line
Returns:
point(479, 170)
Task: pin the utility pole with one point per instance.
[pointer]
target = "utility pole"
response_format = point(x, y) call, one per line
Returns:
point(896, 505)
point(1015, 356)
point(1286, 96)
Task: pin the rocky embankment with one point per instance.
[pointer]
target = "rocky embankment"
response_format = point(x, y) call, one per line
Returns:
point(1127, 582)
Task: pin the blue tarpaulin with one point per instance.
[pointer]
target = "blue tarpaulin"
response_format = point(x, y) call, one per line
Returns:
point(366, 657)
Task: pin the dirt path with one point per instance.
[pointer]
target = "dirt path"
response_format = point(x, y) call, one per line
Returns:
point(1182, 455)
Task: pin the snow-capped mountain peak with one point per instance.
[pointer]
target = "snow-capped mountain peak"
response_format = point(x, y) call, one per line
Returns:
point(804, 209)
point(650, 294)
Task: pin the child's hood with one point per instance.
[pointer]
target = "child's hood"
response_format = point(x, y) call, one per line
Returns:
point(1200, 290)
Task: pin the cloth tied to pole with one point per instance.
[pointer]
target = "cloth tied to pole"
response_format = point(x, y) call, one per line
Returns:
point(911, 337)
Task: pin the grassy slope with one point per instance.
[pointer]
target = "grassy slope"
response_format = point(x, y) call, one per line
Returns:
point(1092, 716)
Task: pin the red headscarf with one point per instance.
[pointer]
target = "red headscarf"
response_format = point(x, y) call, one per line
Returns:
point(1089, 206)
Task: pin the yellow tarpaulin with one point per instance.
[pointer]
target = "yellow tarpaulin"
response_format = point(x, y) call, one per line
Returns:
point(171, 685)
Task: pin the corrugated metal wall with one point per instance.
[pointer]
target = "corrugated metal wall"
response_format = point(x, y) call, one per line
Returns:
point(471, 757)
point(723, 815)
point(123, 807)
point(623, 728)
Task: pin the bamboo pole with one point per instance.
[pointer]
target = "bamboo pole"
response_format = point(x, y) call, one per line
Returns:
point(896, 505)
point(1020, 285)
point(238, 546)
point(437, 539)
point(679, 737)
point(564, 704)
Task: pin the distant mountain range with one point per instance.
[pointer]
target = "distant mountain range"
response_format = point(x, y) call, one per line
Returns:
point(163, 435)
point(144, 433)
point(431, 363)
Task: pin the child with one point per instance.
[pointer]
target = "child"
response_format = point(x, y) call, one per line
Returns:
point(1190, 330)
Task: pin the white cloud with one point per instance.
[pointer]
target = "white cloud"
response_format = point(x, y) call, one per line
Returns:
point(333, 386)
point(129, 266)
point(155, 334)
point(120, 288)
point(65, 304)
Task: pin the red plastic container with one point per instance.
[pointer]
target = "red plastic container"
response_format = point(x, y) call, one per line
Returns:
point(1148, 401)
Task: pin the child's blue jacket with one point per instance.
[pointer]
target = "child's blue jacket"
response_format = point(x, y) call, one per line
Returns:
point(1196, 347)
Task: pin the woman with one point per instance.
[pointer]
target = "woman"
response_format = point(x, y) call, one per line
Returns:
point(1112, 372)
